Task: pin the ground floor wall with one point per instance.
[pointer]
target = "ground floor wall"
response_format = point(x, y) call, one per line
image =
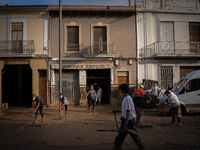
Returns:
point(19, 78)
point(106, 74)
point(154, 71)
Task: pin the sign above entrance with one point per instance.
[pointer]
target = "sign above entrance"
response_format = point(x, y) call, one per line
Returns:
point(83, 66)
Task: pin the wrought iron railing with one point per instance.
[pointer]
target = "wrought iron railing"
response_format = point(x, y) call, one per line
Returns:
point(15, 47)
point(95, 48)
point(170, 48)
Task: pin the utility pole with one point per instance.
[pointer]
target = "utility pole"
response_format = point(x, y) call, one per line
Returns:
point(60, 49)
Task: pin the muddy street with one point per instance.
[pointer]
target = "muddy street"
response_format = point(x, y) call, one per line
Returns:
point(79, 130)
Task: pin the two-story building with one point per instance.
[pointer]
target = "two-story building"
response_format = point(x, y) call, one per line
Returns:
point(98, 47)
point(23, 54)
point(168, 39)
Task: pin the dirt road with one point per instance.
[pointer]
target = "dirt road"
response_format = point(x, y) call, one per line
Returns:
point(79, 130)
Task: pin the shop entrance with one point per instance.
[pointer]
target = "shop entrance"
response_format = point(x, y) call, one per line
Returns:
point(17, 85)
point(100, 77)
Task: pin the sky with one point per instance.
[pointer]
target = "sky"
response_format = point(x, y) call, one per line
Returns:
point(68, 2)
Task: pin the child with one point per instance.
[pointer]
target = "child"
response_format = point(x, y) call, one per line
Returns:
point(127, 119)
point(64, 102)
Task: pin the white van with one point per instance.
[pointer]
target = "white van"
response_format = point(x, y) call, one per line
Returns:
point(188, 92)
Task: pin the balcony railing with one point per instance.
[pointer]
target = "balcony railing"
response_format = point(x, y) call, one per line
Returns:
point(180, 48)
point(17, 47)
point(96, 48)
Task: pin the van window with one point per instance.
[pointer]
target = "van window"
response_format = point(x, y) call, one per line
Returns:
point(192, 85)
point(178, 85)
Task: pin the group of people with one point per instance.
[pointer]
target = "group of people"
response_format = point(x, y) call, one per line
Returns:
point(131, 110)
point(39, 104)
point(94, 97)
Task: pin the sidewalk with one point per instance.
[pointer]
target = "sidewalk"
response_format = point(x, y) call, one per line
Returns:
point(79, 130)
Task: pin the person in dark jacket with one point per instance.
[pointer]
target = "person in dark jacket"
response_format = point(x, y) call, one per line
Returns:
point(39, 104)
point(139, 102)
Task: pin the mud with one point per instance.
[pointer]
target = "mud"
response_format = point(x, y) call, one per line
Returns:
point(79, 130)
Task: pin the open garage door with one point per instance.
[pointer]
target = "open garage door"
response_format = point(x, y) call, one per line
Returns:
point(17, 85)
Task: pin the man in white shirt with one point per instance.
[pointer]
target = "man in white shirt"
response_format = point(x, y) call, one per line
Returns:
point(154, 94)
point(175, 104)
point(127, 120)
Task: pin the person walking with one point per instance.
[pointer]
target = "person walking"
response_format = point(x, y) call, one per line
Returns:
point(92, 98)
point(39, 103)
point(154, 94)
point(127, 120)
point(64, 103)
point(99, 94)
point(175, 104)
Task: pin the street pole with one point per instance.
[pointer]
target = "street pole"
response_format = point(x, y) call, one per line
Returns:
point(60, 49)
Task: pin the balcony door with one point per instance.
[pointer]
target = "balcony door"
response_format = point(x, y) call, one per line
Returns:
point(17, 38)
point(100, 40)
point(167, 37)
point(194, 29)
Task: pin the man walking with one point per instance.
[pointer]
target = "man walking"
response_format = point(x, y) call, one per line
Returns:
point(92, 98)
point(39, 103)
point(127, 120)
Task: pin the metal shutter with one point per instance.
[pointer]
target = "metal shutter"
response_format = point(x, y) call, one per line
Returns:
point(70, 85)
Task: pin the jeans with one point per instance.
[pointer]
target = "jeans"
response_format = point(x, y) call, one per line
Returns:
point(40, 109)
point(122, 135)
point(139, 114)
point(175, 113)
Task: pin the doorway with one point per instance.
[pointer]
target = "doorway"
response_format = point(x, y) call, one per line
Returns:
point(43, 85)
point(17, 85)
point(100, 77)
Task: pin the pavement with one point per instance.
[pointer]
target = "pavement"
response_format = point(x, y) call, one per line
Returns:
point(79, 130)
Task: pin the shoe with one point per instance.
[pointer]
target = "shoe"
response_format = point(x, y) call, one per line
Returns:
point(43, 119)
point(35, 122)
point(180, 124)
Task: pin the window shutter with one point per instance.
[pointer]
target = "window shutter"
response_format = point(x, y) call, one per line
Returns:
point(73, 38)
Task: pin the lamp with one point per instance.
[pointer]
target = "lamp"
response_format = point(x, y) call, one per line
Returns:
point(116, 62)
point(130, 61)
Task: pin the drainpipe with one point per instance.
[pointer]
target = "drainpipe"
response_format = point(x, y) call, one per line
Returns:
point(129, 2)
point(136, 46)
point(60, 49)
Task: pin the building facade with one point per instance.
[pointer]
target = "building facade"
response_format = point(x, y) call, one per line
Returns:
point(168, 39)
point(23, 54)
point(98, 48)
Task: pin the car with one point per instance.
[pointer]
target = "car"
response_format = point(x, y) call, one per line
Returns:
point(188, 93)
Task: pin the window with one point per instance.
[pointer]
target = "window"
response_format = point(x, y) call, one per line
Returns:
point(194, 31)
point(72, 38)
point(191, 86)
point(17, 37)
point(100, 40)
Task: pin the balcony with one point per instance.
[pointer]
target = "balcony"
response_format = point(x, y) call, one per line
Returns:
point(17, 47)
point(171, 49)
point(98, 49)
